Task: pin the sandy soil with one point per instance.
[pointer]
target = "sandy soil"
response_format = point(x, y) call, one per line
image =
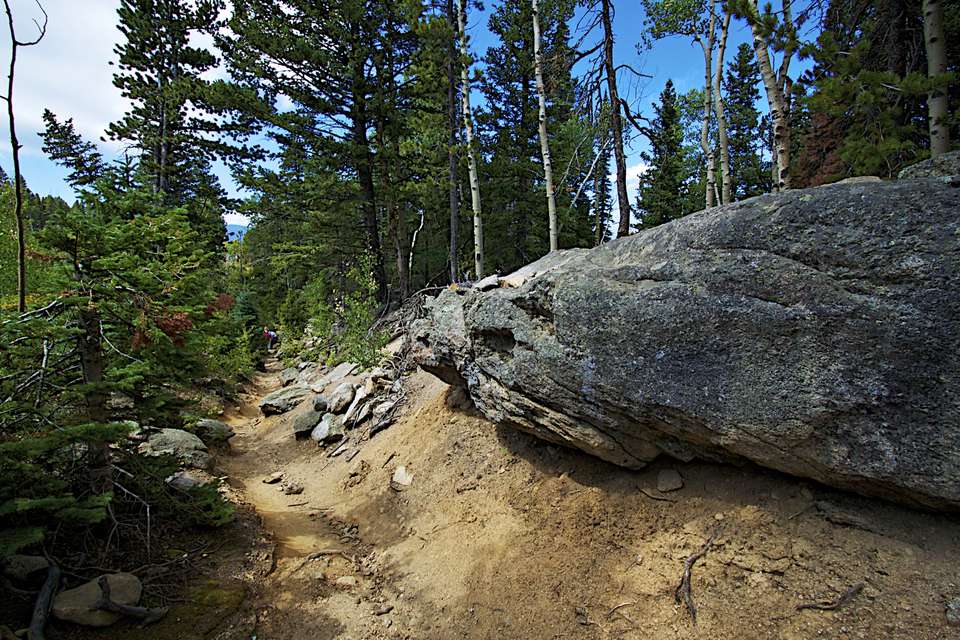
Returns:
point(503, 536)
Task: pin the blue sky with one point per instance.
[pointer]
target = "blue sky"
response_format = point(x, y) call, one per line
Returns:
point(69, 72)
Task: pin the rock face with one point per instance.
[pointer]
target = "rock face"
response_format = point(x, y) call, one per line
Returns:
point(947, 164)
point(813, 332)
point(77, 605)
point(183, 445)
point(283, 400)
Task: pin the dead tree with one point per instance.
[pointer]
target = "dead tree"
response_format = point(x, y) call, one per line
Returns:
point(15, 148)
point(544, 142)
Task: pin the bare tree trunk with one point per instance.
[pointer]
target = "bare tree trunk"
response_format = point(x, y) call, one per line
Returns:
point(90, 348)
point(616, 122)
point(452, 158)
point(726, 195)
point(471, 151)
point(705, 146)
point(937, 106)
point(775, 98)
point(544, 142)
point(15, 149)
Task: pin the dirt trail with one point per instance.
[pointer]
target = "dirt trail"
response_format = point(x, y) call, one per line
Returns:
point(503, 536)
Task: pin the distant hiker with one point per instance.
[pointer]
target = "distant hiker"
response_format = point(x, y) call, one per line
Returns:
point(270, 337)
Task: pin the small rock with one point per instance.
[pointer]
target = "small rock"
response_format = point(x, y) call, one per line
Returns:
point(273, 478)
point(304, 424)
point(383, 610)
point(347, 582)
point(718, 517)
point(669, 480)
point(952, 612)
point(21, 568)
point(341, 397)
point(401, 479)
point(184, 481)
point(213, 430)
point(77, 605)
point(320, 576)
point(320, 404)
point(292, 488)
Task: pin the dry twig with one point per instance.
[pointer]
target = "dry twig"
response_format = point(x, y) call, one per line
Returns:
point(683, 589)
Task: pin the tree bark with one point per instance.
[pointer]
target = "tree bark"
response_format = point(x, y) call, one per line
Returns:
point(544, 142)
point(775, 99)
point(705, 146)
point(616, 121)
point(90, 348)
point(471, 151)
point(363, 164)
point(726, 195)
point(937, 106)
point(452, 158)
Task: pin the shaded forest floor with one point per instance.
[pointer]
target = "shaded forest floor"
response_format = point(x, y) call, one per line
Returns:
point(503, 536)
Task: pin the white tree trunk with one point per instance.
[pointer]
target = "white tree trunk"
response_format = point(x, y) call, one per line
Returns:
point(705, 146)
point(726, 195)
point(544, 142)
point(933, 38)
point(775, 101)
point(471, 151)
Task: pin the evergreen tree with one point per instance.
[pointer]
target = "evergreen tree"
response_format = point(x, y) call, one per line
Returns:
point(663, 185)
point(751, 175)
point(178, 121)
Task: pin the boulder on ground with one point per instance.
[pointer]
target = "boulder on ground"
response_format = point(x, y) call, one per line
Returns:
point(283, 400)
point(304, 423)
point(333, 376)
point(329, 430)
point(340, 399)
point(183, 445)
point(213, 430)
point(78, 605)
point(185, 480)
point(288, 376)
point(811, 331)
point(669, 480)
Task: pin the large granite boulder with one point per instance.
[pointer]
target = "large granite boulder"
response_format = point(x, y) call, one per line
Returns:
point(814, 332)
point(947, 164)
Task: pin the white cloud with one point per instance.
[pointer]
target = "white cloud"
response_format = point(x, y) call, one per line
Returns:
point(634, 171)
point(68, 72)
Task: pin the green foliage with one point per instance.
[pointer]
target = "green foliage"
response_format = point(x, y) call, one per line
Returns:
point(32, 499)
point(663, 185)
point(750, 173)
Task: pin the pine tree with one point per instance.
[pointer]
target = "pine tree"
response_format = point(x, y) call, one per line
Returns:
point(750, 174)
point(63, 144)
point(662, 186)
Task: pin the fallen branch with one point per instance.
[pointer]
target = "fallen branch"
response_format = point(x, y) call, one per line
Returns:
point(41, 608)
point(683, 589)
point(145, 615)
point(830, 605)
